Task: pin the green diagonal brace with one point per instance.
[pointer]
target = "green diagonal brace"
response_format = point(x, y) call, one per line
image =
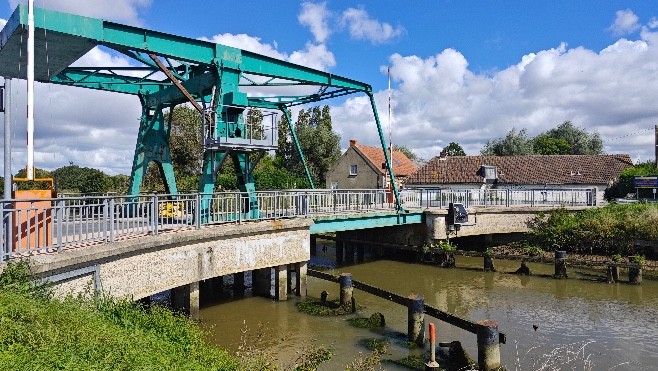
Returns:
point(299, 148)
point(398, 206)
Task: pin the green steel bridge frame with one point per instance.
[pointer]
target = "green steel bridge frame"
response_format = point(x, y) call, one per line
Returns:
point(174, 70)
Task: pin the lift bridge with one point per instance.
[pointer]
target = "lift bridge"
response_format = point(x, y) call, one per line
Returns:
point(167, 70)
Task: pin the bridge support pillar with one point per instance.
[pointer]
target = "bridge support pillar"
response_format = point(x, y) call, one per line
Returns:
point(314, 245)
point(360, 254)
point(211, 289)
point(488, 240)
point(301, 279)
point(238, 284)
point(185, 299)
point(281, 282)
point(349, 252)
point(262, 282)
point(339, 251)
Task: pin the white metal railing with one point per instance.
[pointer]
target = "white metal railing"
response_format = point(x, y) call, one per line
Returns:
point(435, 197)
point(50, 225)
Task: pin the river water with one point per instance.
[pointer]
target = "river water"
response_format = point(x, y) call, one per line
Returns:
point(613, 326)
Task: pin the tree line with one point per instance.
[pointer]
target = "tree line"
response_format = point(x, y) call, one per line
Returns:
point(285, 169)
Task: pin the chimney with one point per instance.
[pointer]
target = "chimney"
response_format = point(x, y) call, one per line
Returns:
point(443, 155)
point(353, 142)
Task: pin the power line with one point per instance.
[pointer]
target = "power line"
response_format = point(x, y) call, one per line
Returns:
point(628, 135)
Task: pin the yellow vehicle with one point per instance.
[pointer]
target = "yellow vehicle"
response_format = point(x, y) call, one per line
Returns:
point(171, 209)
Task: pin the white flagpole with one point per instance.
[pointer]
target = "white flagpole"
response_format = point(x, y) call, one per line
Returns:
point(30, 90)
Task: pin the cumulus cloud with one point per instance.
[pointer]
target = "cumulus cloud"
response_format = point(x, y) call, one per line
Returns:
point(439, 100)
point(316, 17)
point(126, 11)
point(625, 23)
point(362, 27)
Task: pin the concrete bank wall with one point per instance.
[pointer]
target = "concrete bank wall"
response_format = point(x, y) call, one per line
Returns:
point(149, 265)
point(489, 220)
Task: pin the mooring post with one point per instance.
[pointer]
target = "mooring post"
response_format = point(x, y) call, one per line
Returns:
point(635, 274)
point(346, 289)
point(416, 320)
point(488, 263)
point(609, 274)
point(323, 296)
point(488, 346)
point(432, 365)
point(560, 264)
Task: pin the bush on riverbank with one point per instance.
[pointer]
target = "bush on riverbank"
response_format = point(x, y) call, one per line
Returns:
point(38, 332)
point(608, 230)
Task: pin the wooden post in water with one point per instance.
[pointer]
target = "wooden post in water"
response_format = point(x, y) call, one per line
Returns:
point(488, 346)
point(635, 275)
point(488, 263)
point(560, 264)
point(609, 274)
point(346, 289)
point(416, 320)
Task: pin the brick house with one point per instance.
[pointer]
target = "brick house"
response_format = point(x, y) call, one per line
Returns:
point(360, 167)
point(522, 172)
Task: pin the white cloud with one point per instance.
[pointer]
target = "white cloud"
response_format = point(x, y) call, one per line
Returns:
point(362, 27)
point(439, 100)
point(316, 16)
point(626, 22)
point(3, 22)
point(126, 11)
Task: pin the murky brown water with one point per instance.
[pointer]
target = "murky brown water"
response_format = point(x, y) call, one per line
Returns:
point(616, 323)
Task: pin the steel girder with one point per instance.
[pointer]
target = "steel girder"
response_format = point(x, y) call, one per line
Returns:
point(200, 66)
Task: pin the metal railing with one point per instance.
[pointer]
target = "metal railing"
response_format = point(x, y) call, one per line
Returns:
point(50, 225)
point(501, 197)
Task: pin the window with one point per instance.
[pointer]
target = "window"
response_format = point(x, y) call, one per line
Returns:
point(353, 169)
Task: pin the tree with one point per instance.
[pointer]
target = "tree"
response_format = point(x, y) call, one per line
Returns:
point(319, 143)
point(84, 180)
point(624, 185)
point(566, 139)
point(453, 149)
point(38, 173)
point(513, 144)
point(407, 152)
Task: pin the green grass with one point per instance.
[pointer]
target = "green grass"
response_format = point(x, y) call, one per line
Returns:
point(38, 332)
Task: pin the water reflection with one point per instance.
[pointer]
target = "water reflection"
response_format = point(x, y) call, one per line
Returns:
point(619, 321)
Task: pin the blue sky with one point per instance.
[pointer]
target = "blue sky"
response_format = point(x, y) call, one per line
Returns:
point(462, 71)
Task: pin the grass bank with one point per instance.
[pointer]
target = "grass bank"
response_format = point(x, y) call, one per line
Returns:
point(38, 332)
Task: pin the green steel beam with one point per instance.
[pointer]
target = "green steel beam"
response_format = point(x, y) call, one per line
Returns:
point(293, 133)
point(350, 222)
point(398, 205)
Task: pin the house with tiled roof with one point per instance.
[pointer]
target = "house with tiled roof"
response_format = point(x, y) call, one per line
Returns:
point(521, 172)
point(361, 167)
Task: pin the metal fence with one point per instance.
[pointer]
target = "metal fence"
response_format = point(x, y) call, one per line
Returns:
point(500, 197)
point(51, 225)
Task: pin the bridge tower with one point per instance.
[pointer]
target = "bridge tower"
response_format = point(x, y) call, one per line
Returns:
point(224, 84)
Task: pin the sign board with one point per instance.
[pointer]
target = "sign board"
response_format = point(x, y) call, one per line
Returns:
point(645, 181)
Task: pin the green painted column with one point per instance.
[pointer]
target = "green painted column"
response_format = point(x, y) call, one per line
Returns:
point(152, 145)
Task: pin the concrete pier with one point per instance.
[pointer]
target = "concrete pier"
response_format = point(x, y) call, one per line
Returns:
point(185, 299)
point(301, 279)
point(262, 282)
point(281, 282)
point(238, 284)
